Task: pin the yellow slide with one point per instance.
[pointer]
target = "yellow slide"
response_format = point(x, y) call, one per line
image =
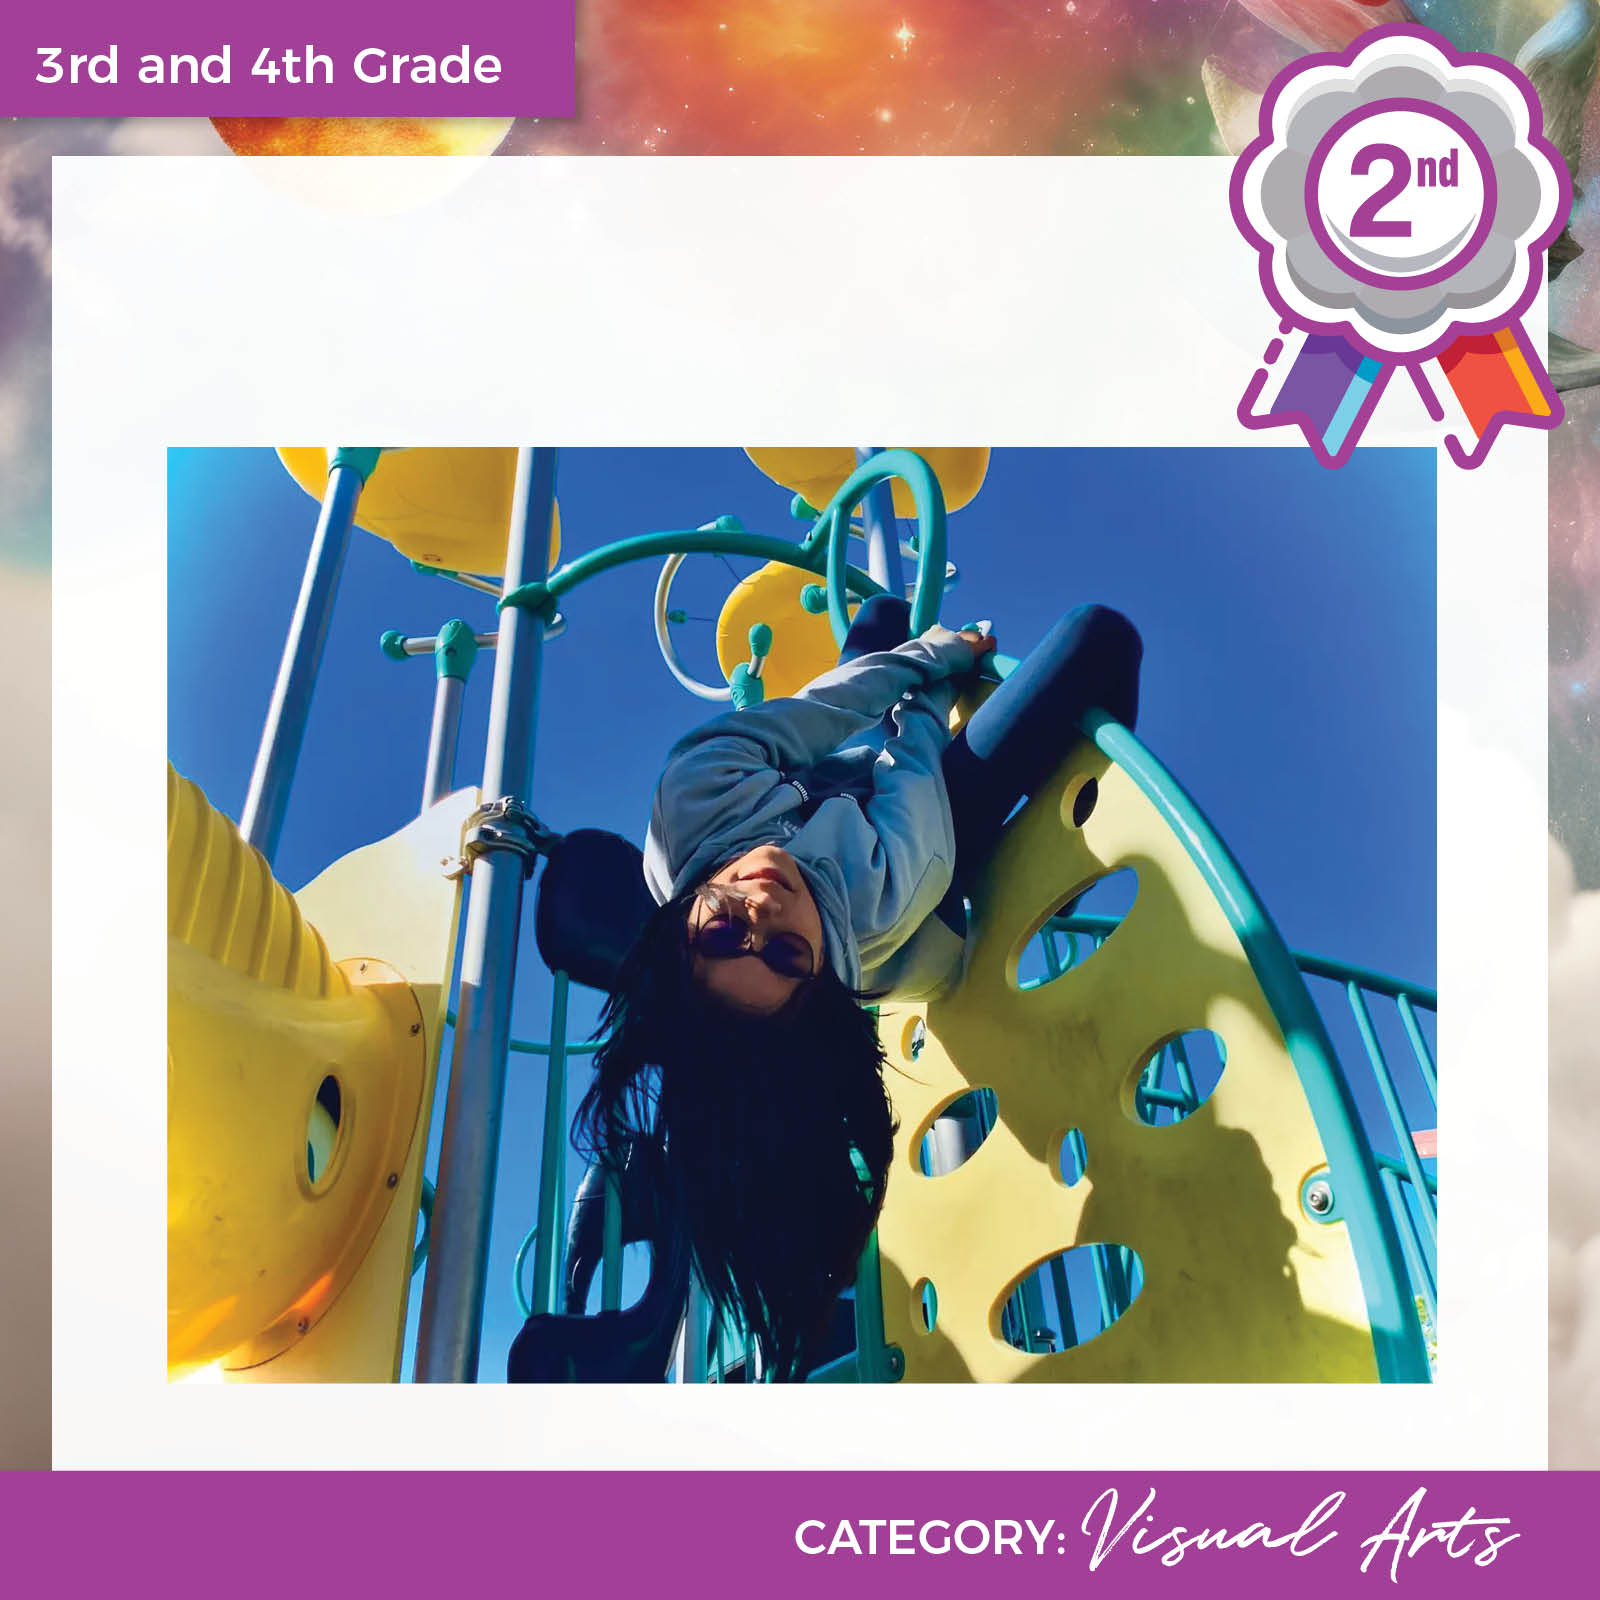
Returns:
point(302, 1043)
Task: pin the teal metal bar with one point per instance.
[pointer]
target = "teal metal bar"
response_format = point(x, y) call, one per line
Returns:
point(1030, 1299)
point(1063, 1294)
point(1102, 1284)
point(872, 1355)
point(611, 1261)
point(1175, 1098)
point(1415, 1259)
point(1391, 1164)
point(553, 1155)
point(1397, 1118)
point(1180, 1062)
point(695, 1334)
point(541, 1047)
point(1419, 1045)
point(1396, 1331)
point(841, 1371)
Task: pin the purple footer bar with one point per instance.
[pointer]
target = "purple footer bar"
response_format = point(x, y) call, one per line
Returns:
point(835, 1534)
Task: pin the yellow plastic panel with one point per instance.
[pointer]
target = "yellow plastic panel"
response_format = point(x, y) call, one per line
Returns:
point(1240, 1285)
point(260, 1013)
point(446, 507)
point(390, 896)
point(802, 644)
point(223, 902)
point(254, 1249)
point(817, 473)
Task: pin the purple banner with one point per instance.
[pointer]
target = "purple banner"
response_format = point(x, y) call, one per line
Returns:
point(839, 1534)
point(295, 58)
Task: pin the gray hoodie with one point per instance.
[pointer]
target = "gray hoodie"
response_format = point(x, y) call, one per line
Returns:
point(869, 828)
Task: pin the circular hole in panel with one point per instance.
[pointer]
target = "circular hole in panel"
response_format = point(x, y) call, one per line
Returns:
point(1083, 801)
point(956, 1131)
point(323, 1125)
point(1071, 1298)
point(1056, 949)
point(914, 1036)
point(1178, 1077)
point(1071, 1156)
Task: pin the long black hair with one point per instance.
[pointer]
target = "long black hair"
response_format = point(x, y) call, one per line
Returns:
point(775, 1132)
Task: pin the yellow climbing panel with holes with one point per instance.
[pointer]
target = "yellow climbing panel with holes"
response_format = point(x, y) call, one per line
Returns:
point(1240, 1284)
point(302, 1039)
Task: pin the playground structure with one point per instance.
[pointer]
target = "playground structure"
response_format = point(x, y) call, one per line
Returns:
point(1144, 1162)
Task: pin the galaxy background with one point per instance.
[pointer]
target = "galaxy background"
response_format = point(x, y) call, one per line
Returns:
point(841, 78)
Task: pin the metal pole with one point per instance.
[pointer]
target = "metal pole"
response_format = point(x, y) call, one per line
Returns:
point(454, 651)
point(442, 741)
point(452, 1303)
point(268, 798)
point(883, 532)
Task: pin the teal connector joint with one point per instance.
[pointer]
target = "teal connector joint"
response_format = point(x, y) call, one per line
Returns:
point(455, 650)
point(802, 510)
point(534, 597)
point(728, 524)
point(362, 462)
point(814, 599)
point(761, 640)
point(747, 690)
point(431, 572)
point(393, 645)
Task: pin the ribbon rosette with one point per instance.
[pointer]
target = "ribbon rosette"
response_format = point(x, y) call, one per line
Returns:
point(1400, 196)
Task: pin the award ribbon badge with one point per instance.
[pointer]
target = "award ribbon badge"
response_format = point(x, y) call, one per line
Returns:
point(1400, 196)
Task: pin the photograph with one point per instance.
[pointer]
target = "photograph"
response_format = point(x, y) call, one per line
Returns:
point(852, 914)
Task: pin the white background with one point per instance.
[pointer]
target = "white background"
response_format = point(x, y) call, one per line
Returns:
point(591, 301)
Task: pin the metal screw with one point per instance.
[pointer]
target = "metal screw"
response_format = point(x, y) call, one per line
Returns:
point(1319, 1197)
point(301, 1325)
point(391, 1180)
point(362, 967)
point(416, 1027)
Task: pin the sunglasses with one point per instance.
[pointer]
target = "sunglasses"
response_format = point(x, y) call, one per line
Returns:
point(725, 933)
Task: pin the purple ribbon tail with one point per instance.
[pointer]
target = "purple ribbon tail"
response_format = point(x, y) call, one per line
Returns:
point(1328, 392)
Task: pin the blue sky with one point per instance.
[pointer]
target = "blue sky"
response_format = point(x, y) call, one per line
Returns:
point(1288, 616)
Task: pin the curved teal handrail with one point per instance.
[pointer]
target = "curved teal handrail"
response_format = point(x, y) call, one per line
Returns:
point(1397, 1339)
point(528, 1240)
point(419, 1251)
point(808, 556)
point(822, 551)
point(930, 542)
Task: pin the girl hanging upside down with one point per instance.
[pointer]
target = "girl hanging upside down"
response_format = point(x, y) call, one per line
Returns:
point(808, 855)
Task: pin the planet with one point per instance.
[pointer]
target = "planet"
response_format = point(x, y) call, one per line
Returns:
point(362, 136)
